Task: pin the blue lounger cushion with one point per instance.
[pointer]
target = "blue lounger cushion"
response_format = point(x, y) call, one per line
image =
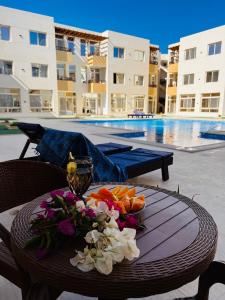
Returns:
point(140, 160)
point(112, 148)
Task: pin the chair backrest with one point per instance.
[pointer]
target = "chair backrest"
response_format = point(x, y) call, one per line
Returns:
point(22, 180)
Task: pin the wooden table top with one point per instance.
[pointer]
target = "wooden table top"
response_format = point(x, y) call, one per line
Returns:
point(177, 245)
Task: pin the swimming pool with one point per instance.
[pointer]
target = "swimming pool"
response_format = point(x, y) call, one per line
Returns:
point(178, 133)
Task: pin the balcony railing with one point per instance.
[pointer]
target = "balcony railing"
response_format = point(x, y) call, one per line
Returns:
point(62, 48)
point(71, 78)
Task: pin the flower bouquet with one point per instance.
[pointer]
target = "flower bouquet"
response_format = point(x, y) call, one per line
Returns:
point(109, 234)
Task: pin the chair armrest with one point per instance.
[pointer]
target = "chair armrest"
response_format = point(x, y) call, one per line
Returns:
point(5, 236)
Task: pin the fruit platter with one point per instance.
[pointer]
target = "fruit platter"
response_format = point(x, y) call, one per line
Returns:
point(123, 197)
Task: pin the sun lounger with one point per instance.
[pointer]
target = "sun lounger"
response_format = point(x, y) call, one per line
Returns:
point(55, 145)
point(138, 115)
point(140, 161)
point(34, 132)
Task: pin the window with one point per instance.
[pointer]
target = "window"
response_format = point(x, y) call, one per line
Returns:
point(138, 80)
point(139, 102)
point(59, 42)
point(151, 105)
point(37, 38)
point(118, 78)
point(188, 79)
point(139, 55)
point(61, 71)
point(118, 52)
point(67, 103)
point(152, 80)
point(95, 75)
point(214, 48)
point(5, 67)
point(40, 100)
point(94, 48)
point(4, 33)
point(118, 103)
point(70, 44)
point(39, 70)
point(83, 47)
point(83, 75)
point(172, 79)
point(72, 72)
point(212, 76)
point(171, 104)
point(187, 102)
point(190, 53)
point(9, 100)
point(210, 102)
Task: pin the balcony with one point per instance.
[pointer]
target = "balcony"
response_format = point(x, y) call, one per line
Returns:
point(152, 90)
point(96, 86)
point(153, 68)
point(96, 61)
point(173, 68)
point(172, 90)
point(66, 83)
point(64, 54)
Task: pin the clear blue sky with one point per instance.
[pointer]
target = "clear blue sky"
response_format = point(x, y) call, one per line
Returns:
point(161, 21)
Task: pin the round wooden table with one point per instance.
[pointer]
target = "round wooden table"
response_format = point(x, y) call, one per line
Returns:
point(177, 245)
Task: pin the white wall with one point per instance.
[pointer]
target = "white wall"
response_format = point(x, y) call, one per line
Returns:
point(128, 66)
point(19, 50)
point(199, 66)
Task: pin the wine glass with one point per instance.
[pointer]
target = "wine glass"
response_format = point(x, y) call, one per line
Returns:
point(83, 175)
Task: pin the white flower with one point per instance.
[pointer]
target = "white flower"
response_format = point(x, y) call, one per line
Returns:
point(93, 236)
point(112, 223)
point(104, 263)
point(83, 261)
point(80, 205)
point(108, 247)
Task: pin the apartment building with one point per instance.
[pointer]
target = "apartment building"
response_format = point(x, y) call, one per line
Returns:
point(47, 67)
point(196, 75)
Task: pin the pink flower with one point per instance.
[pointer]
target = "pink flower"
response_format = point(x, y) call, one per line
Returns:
point(66, 227)
point(121, 224)
point(50, 213)
point(90, 213)
point(70, 198)
point(44, 204)
point(131, 221)
point(41, 253)
point(57, 193)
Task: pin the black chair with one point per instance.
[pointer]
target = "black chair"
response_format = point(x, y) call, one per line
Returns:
point(20, 182)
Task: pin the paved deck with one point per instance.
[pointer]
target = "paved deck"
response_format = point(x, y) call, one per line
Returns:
point(200, 174)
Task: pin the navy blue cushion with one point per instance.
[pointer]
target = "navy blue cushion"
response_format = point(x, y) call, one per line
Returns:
point(112, 148)
point(138, 158)
point(146, 152)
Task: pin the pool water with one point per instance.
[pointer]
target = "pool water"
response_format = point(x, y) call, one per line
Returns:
point(179, 133)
